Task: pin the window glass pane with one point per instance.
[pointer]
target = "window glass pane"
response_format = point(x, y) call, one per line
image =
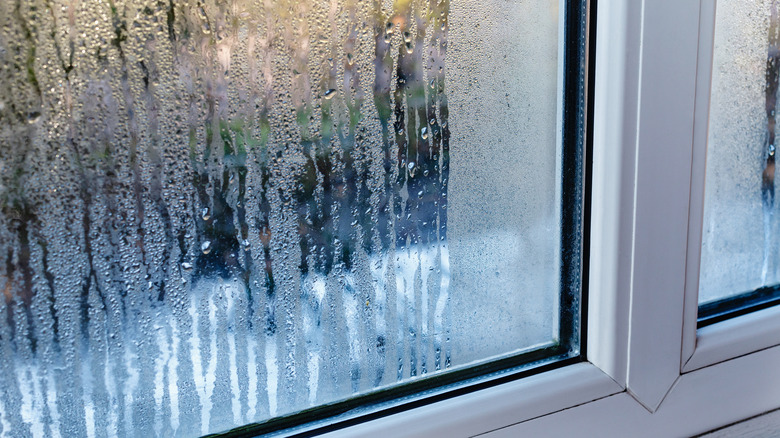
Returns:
point(215, 213)
point(741, 223)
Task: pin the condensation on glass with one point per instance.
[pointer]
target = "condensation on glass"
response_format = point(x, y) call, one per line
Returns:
point(214, 213)
point(741, 230)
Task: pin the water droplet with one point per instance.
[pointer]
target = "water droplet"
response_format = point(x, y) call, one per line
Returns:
point(350, 59)
point(433, 83)
point(205, 247)
point(409, 48)
point(389, 27)
point(407, 36)
point(329, 94)
point(186, 266)
point(205, 214)
point(245, 242)
point(387, 37)
point(424, 133)
point(33, 117)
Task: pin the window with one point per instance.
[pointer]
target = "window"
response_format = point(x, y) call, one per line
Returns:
point(216, 214)
point(649, 370)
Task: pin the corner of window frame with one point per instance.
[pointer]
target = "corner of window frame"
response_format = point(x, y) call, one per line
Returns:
point(680, 380)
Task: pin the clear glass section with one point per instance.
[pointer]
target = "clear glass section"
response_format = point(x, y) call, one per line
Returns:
point(741, 234)
point(217, 212)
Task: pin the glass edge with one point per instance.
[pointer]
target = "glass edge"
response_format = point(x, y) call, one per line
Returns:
point(406, 396)
point(715, 311)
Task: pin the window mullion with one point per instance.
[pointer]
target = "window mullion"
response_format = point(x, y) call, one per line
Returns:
point(611, 230)
point(669, 33)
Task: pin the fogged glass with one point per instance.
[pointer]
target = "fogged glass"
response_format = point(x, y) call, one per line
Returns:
point(741, 234)
point(215, 213)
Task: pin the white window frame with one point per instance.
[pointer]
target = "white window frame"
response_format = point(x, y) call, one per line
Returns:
point(650, 372)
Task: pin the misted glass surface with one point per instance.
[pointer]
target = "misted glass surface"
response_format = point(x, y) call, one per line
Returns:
point(741, 234)
point(214, 213)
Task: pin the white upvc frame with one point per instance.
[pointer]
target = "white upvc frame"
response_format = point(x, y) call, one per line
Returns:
point(649, 371)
